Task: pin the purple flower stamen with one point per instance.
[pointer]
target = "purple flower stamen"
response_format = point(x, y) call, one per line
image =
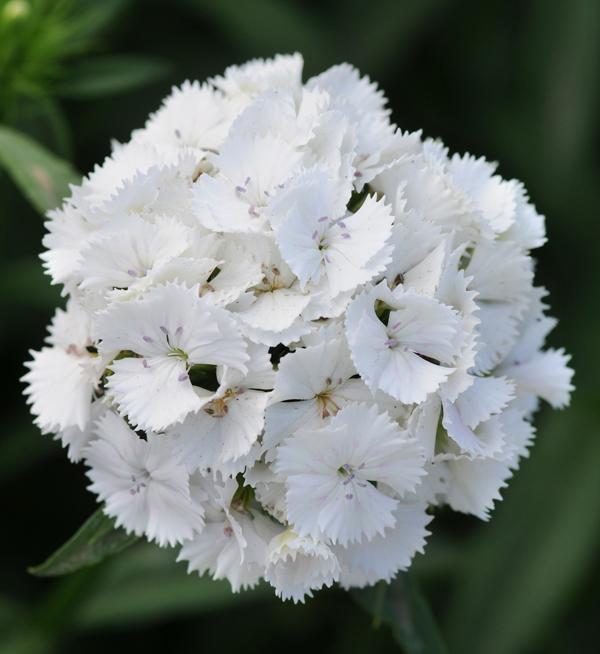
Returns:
point(182, 377)
point(147, 339)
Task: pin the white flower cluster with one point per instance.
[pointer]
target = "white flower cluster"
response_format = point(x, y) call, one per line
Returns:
point(292, 329)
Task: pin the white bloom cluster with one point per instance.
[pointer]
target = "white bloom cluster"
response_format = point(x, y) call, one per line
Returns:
point(292, 329)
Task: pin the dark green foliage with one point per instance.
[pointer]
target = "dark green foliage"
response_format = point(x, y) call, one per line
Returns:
point(402, 606)
point(97, 539)
point(517, 82)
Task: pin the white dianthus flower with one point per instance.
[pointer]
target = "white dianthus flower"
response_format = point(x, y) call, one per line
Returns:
point(297, 565)
point(333, 474)
point(292, 328)
point(142, 484)
point(63, 376)
point(163, 335)
point(412, 354)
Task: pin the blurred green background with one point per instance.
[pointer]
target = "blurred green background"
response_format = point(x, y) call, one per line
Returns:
point(518, 82)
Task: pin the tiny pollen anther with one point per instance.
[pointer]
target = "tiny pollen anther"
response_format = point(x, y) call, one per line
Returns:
point(182, 377)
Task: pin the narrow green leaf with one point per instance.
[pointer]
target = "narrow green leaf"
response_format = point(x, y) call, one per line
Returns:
point(538, 548)
point(95, 540)
point(571, 83)
point(112, 74)
point(403, 607)
point(42, 177)
point(94, 18)
point(42, 118)
point(146, 584)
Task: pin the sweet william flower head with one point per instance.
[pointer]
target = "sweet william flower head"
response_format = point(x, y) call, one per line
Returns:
point(291, 328)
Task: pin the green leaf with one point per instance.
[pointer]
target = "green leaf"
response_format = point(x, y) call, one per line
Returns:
point(112, 74)
point(539, 546)
point(95, 540)
point(571, 84)
point(92, 19)
point(42, 177)
point(43, 120)
point(146, 584)
point(403, 607)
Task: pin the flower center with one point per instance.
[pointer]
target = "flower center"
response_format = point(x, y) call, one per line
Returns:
point(178, 353)
point(392, 341)
point(272, 280)
point(139, 482)
point(218, 407)
point(348, 473)
point(326, 405)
